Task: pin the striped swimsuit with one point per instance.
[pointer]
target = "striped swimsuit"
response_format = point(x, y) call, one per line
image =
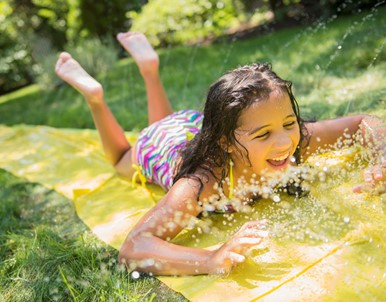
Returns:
point(159, 143)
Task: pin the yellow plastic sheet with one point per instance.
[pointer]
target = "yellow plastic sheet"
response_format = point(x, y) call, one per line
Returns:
point(329, 246)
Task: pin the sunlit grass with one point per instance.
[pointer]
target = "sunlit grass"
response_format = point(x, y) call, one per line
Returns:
point(48, 254)
point(338, 67)
point(319, 59)
point(20, 93)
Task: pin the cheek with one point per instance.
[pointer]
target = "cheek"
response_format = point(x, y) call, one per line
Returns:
point(258, 151)
point(295, 135)
point(251, 152)
point(297, 138)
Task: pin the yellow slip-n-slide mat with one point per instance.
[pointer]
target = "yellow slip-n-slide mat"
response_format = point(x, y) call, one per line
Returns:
point(327, 246)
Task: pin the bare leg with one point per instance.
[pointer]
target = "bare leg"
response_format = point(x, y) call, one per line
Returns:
point(114, 142)
point(148, 63)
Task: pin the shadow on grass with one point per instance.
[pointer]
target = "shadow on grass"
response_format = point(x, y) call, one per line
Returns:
point(48, 254)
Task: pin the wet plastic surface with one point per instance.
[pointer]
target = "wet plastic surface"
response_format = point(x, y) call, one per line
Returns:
point(327, 246)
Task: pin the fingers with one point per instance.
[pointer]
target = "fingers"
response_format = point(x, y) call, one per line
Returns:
point(224, 262)
point(362, 188)
point(256, 228)
point(233, 251)
point(374, 188)
point(251, 226)
point(241, 244)
point(368, 174)
point(236, 258)
point(250, 234)
point(374, 173)
point(375, 178)
point(246, 242)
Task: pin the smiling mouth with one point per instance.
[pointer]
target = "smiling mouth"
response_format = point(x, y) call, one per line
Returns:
point(279, 161)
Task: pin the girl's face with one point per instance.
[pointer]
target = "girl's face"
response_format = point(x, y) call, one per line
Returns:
point(269, 132)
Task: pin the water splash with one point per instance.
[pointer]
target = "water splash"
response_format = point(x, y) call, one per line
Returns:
point(192, 57)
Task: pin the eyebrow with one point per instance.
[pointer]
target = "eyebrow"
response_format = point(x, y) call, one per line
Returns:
point(262, 127)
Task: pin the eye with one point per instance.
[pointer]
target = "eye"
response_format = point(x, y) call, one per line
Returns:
point(264, 135)
point(289, 124)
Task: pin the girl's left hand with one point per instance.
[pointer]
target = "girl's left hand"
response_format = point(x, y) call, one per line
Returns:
point(375, 179)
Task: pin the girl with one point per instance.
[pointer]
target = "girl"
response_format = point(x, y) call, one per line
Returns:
point(250, 128)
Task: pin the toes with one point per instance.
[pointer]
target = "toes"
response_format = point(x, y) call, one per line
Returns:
point(357, 189)
point(63, 58)
point(120, 36)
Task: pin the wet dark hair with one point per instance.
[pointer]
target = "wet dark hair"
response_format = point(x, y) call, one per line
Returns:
point(234, 92)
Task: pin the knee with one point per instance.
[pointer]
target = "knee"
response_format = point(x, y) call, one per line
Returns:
point(124, 166)
point(122, 172)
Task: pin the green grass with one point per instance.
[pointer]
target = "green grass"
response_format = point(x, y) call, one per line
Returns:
point(337, 67)
point(20, 93)
point(47, 254)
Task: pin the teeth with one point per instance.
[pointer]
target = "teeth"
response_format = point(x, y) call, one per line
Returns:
point(281, 157)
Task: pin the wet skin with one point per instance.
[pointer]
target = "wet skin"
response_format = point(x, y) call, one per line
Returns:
point(270, 140)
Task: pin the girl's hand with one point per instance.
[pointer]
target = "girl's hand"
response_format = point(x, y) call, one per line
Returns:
point(375, 179)
point(233, 251)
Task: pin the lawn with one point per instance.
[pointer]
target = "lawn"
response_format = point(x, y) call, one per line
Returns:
point(48, 254)
point(337, 66)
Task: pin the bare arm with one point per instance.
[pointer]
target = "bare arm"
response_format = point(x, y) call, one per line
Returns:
point(324, 134)
point(147, 247)
point(372, 135)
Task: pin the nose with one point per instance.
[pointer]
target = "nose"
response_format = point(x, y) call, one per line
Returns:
point(283, 141)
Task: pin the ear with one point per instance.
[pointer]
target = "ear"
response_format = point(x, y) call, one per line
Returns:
point(224, 144)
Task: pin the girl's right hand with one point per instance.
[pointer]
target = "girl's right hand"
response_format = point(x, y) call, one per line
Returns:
point(233, 251)
point(375, 179)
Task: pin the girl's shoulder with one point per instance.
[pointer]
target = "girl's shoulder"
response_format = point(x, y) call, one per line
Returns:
point(210, 185)
point(204, 182)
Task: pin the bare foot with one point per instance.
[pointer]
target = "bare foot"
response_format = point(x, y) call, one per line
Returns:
point(140, 49)
point(70, 71)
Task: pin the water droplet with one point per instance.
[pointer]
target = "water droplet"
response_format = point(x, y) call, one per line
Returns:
point(340, 47)
point(346, 219)
point(276, 198)
point(135, 275)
